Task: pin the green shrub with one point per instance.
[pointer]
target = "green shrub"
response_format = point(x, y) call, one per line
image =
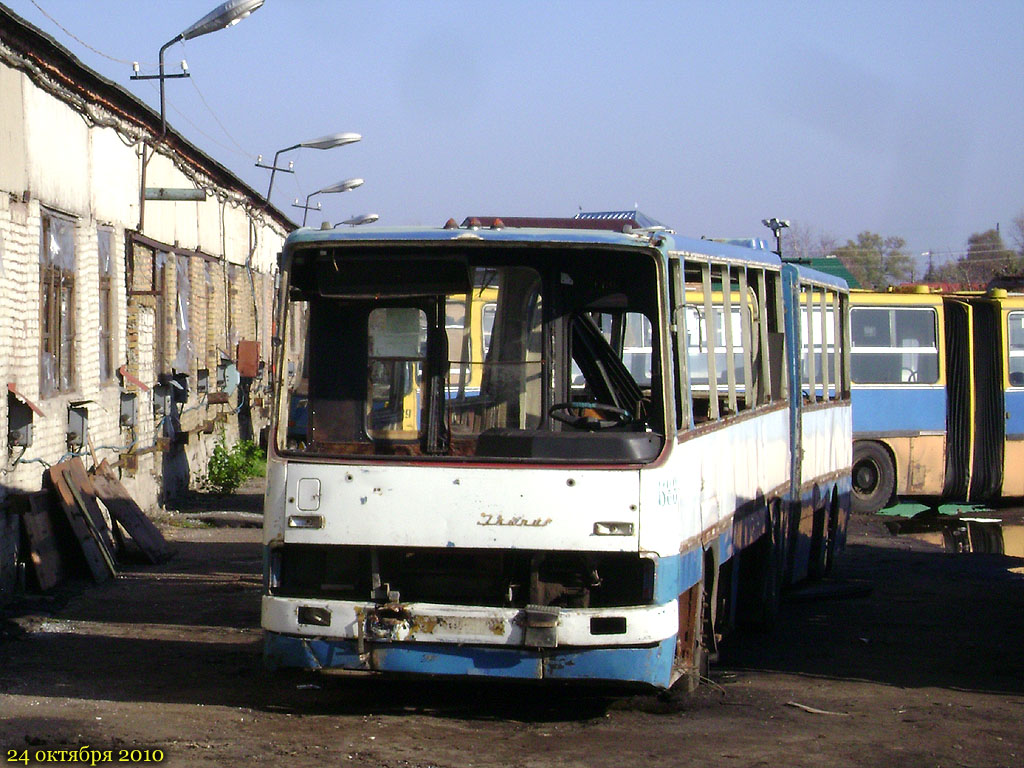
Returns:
point(229, 468)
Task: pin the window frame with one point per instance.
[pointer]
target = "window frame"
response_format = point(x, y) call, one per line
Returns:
point(107, 270)
point(57, 328)
point(891, 349)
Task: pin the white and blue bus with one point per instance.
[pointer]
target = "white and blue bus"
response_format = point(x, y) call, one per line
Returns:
point(657, 439)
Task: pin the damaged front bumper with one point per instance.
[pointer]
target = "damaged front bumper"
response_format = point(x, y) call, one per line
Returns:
point(630, 644)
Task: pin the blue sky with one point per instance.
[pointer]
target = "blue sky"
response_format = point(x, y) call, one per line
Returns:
point(902, 118)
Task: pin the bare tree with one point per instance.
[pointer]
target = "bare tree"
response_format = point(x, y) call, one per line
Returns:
point(1018, 234)
point(804, 243)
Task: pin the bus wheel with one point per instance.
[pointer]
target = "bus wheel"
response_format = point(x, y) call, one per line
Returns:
point(874, 477)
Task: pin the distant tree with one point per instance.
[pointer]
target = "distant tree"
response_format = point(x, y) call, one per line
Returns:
point(987, 256)
point(875, 261)
point(952, 272)
point(1018, 236)
point(802, 242)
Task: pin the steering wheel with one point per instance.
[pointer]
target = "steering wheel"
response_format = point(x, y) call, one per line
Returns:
point(589, 415)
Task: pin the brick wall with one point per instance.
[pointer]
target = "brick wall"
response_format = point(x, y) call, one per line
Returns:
point(224, 304)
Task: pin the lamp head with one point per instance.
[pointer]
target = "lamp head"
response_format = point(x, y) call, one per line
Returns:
point(224, 15)
point(365, 218)
point(342, 186)
point(333, 140)
point(775, 225)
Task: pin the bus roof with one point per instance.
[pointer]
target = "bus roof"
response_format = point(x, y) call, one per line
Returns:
point(665, 241)
point(893, 298)
point(308, 235)
point(825, 279)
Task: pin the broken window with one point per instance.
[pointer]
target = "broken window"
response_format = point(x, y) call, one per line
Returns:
point(183, 297)
point(57, 303)
point(494, 355)
point(397, 341)
point(494, 384)
point(725, 328)
point(825, 370)
point(164, 310)
point(105, 244)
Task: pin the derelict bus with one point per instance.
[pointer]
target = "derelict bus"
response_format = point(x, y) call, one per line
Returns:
point(579, 512)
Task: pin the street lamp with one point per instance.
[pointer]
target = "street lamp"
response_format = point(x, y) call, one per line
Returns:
point(776, 226)
point(225, 15)
point(341, 186)
point(363, 218)
point(324, 142)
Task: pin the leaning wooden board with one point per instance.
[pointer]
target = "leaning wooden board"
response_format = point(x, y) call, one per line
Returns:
point(124, 510)
point(79, 480)
point(43, 554)
point(98, 558)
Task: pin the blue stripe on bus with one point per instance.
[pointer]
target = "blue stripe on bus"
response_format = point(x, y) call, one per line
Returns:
point(636, 665)
point(1014, 407)
point(648, 664)
point(898, 410)
point(674, 575)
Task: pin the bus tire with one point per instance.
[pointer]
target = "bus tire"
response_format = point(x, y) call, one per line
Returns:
point(874, 477)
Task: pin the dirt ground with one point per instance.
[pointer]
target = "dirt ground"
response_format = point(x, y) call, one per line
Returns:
point(912, 657)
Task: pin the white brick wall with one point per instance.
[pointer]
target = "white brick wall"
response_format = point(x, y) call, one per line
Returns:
point(87, 172)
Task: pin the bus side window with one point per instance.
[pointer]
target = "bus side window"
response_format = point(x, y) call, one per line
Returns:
point(895, 345)
point(1015, 337)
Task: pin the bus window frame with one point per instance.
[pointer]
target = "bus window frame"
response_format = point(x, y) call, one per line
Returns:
point(1011, 315)
point(743, 290)
point(890, 349)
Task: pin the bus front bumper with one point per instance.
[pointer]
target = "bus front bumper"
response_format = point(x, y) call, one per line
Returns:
point(629, 644)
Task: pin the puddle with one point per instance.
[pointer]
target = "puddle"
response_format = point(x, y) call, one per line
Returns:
point(963, 535)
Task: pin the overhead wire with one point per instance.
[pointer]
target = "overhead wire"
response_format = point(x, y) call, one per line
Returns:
point(234, 148)
point(240, 150)
point(73, 36)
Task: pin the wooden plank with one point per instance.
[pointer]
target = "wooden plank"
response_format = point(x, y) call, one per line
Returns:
point(97, 532)
point(43, 555)
point(79, 479)
point(81, 529)
point(125, 511)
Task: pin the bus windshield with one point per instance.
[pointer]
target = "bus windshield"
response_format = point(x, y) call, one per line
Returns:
point(471, 356)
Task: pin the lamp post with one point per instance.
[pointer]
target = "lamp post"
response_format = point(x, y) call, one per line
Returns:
point(776, 226)
point(324, 142)
point(225, 15)
point(341, 186)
